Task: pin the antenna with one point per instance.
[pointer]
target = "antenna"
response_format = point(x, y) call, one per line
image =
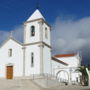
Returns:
point(37, 5)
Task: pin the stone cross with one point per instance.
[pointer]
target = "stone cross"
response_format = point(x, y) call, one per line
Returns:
point(11, 33)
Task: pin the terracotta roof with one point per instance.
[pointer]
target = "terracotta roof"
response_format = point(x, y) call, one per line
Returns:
point(57, 60)
point(64, 55)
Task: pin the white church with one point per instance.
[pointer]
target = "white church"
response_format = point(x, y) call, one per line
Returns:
point(33, 57)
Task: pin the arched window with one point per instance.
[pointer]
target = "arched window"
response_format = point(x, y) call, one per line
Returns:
point(32, 60)
point(32, 30)
point(10, 52)
point(46, 33)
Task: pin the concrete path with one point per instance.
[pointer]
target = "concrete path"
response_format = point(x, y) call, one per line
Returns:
point(27, 84)
point(18, 84)
point(70, 88)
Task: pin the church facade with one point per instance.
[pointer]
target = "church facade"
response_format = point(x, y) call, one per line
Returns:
point(33, 56)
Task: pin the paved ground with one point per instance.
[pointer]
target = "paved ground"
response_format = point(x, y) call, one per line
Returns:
point(70, 88)
point(20, 84)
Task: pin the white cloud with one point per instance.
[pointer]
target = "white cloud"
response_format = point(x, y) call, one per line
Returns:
point(17, 33)
point(68, 35)
point(3, 35)
point(71, 35)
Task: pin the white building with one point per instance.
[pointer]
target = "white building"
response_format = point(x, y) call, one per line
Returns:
point(31, 57)
point(67, 68)
point(34, 55)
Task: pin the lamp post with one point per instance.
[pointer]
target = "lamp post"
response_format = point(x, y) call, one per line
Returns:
point(70, 76)
point(88, 72)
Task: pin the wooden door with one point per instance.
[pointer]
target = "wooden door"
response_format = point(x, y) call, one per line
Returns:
point(9, 72)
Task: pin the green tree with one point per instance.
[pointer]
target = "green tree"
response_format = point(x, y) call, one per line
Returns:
point(84, 77)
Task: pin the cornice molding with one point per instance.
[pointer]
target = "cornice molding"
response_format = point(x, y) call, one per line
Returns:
point(38, 43)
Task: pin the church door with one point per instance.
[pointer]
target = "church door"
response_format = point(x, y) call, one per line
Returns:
point(9, 72)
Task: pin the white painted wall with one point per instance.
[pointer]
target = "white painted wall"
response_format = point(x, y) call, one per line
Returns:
point(36, 69)
point(16, 59)
point(76, 75)
point(55, 66)
point(47, 59)
point(72, 61)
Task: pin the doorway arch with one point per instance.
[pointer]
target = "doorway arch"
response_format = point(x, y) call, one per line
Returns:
point(62, 76)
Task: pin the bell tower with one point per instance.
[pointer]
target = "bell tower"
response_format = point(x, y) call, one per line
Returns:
point(36, 29)
point(37, 38)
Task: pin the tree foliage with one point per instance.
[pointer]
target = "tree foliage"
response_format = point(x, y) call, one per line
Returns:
point(82, 69)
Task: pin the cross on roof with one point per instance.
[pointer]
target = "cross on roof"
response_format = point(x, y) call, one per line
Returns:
point(37, 5)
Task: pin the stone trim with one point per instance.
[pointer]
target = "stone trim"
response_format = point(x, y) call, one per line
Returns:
point(24, 61)
point(24, 33)
point(24, 44)
point(38, 43)
point(47, 45)
point(41, 46)
point(9, 64)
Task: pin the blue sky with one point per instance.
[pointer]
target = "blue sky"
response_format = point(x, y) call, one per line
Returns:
point(15, 12)
point(70, 20)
